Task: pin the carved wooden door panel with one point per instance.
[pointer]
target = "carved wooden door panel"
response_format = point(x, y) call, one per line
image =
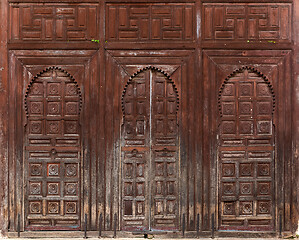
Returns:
point(52, 152)
point(246, 153)
point(135, 153)
point(150, 153)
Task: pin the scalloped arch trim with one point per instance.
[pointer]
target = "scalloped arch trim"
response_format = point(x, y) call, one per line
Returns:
point(240, 70)
point(40, 74)
point(143, 70)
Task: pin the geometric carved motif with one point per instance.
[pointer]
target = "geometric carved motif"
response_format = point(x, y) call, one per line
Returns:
point(54, 108)
point(36, 108)
point(149, 152)
point(71, 108)
point(71, 188)
point(52, 104)
point(35, 207)
point(35, 188)
point(50, 22)
point(71, 127)
point(35, 127)
point(53, 188)
point(35, 169)
point(246, 208)
point(53, 169)
point(240, 22)
point(246, 188)
point(229, 208)
point(246, 105)
point(53, 127)
point(53, 207)
point(70, 207)
point(71, 170)
point(127, 22)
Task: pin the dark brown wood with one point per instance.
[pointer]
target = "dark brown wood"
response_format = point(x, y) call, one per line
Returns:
point(295, 103)
point(4, 224)
point(186, 117)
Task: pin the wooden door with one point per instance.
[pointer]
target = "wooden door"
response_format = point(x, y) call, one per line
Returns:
point(150, 153)
point(52, 152)
point(246, 152)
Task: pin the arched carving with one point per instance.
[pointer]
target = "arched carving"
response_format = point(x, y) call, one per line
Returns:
point(240, 70)
point(40, 74)
point(143, 70)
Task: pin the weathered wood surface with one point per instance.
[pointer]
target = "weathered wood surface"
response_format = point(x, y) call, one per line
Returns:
point(295, 149)
point(179, 111)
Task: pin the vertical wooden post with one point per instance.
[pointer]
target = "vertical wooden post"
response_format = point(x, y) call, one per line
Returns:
point(19, 225)
point(197, 225)
point(85, 226)
point(100, 225)
point(213, 225)
point(184, 224)
point(280, 225)
point(115, 222)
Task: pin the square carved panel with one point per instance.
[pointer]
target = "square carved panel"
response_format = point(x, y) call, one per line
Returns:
point(50, 22)
point(150, 21)
point(236, 22)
